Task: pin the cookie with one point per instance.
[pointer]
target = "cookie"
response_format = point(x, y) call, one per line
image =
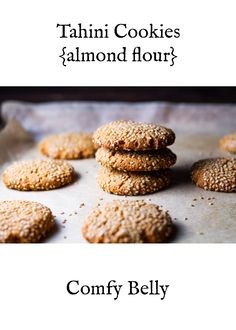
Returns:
point(68, 146)
point(130, 135)
point(132, 183)
point(24, 221)
point(127, 222)
point(38, 174)
point(123, 160)
point(228, 143)
point(218, 174)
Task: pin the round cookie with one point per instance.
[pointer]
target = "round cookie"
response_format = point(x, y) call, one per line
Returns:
point(132, 183)
point(132, 161)
point(68, 146)
point(218, 174)
point(130, 135)
point(228, 143)
point(127, 222)
point(38, 174)
point(24, 221)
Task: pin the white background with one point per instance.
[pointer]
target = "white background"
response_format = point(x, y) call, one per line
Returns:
point(201, 293)
point(201, 277)
point(30, 43)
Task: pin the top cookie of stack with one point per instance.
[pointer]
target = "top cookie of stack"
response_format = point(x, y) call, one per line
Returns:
point(134, 136)
point(134, 156)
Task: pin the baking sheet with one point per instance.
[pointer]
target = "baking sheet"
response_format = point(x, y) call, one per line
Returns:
point(198, 131)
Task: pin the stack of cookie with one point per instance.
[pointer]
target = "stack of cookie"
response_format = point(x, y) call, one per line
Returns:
point(134, 157)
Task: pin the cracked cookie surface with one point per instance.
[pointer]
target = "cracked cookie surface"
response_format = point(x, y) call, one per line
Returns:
point(218, 174)
point(127, 222)
point(24, 221)
point(68, 146)
point(38, 174)
point(122, 160)
point(132, 183)
point(130, 135)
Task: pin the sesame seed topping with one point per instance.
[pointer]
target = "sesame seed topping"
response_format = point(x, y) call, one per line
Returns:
point(68, 146)
point(127, 222)
point(218, 174)
point(133, 161)
point(38, 174)
point(132, 183)
point(24, 221)
point(130, 135)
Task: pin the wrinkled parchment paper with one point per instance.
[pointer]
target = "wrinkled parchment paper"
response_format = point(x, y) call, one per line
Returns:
point(197, 127)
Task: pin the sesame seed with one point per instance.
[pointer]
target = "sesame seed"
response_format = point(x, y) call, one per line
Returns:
point(218, 174)
point(125, 222)
point(38, 174)
point(24, 221)
point(130, 135)
point(72, 145)
point(132, 183)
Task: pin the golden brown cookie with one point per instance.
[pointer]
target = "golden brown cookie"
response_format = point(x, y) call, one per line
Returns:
point(127, 222)
point(132, 183)
point(130, 135)
point(38, 174)
point(24, 221)
point(218, 174)
point(132, 161)
point(228, 143)
point(68, 146)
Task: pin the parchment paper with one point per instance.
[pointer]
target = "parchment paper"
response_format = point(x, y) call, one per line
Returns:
point(198, 128)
